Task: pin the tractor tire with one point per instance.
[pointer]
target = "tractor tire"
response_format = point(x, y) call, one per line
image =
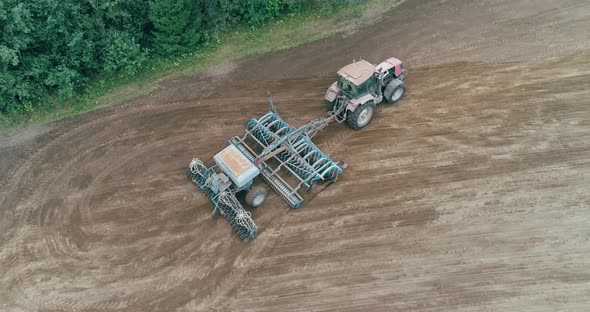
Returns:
point(362, 115)
point(394, 92)
point(256, 196)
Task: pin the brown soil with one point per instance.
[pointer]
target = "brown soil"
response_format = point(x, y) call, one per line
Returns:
point(470, 195)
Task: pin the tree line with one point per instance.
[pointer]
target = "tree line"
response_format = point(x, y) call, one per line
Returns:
point(55, 47)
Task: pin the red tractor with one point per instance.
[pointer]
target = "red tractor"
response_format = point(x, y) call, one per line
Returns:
point(361, 86)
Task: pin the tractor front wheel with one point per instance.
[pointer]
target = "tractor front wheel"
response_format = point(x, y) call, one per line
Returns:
point(256, 196)
point(394, 93)
point(362, 115)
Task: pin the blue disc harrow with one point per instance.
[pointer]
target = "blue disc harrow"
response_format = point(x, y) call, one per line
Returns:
point(294, 155)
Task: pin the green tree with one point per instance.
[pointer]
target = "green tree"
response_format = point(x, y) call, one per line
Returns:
point(56, 46)
point(176, 25)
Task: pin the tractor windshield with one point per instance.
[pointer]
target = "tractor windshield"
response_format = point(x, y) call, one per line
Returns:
point(347, 87)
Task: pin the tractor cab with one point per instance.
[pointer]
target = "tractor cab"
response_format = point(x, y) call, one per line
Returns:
point(357, 79)
point(353, 91)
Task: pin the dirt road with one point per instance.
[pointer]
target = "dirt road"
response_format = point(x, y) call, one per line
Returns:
point(472, 194)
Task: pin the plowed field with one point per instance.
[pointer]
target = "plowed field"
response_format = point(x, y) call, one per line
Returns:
point(471, 194)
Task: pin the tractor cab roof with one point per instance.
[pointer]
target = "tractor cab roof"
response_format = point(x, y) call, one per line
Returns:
point(358, 72)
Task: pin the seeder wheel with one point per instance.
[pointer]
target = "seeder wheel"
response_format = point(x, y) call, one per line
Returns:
point(256, 196)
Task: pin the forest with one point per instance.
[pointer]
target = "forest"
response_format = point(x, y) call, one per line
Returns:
point(54, 48)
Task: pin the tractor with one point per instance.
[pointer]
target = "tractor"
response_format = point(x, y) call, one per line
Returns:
point(360, 86)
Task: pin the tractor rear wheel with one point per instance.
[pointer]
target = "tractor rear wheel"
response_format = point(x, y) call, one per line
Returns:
point(362, 115)
point(256, 196)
